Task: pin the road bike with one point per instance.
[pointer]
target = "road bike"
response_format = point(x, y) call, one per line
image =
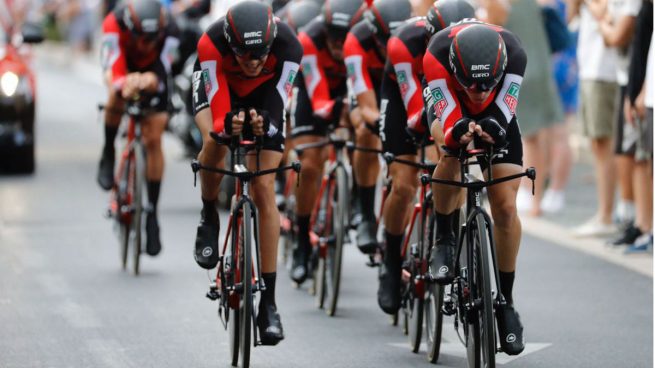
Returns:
point(238, 276)
point(329, 220)
point(474, 294)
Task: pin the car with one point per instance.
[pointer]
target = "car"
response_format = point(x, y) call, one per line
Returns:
point(17, 100)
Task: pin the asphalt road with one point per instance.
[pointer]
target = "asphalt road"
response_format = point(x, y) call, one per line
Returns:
point(65, 302)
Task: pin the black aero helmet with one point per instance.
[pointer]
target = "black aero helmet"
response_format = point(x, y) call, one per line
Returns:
point(384, 16)
point(145, 18)
point(446, 12)
point(340, 15)
point(250, 29)
point(301, 12)
point(478, 57)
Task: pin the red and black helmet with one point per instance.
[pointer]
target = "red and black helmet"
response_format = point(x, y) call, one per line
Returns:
point(341, 15)
point(478, 57)
point(446, 12)
point(384, 16)
point(250, 29)
point(145, 18)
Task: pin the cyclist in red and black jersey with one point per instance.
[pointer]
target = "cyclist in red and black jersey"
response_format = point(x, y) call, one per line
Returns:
point(365, 52)
point(474, 71)
point(139, 43)
point(319, 103)
point(404, 119)
point(247, 64)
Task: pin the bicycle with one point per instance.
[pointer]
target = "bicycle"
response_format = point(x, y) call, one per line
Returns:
point(238, 275)
point(475, 293)
point(126, 205)
point(329, 220)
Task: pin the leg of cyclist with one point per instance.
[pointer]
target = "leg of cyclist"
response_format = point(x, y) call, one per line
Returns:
point(397, 209)
point(112, 116)
point(447, 201)
point(211, 155)
point(152, 130)
point(366, 167)
point(507, 234)
point(312, 161)
point(263, 192)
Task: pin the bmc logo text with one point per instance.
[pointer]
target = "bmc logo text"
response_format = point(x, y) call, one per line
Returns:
point(480, 67)
point(252, 34)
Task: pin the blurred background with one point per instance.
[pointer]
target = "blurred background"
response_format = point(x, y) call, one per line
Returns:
point(585, 287)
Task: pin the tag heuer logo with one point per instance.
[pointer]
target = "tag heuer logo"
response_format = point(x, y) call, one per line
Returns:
point(440, 102)
point(402, 82)
point(207, 81)
point(288, 85)
point(511, 97)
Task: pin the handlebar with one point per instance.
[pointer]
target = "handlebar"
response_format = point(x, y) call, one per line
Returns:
point(390, 157)
point(530, 172)
point(243, 175)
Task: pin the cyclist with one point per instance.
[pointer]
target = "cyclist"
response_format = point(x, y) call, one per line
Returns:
point(298, 13)
point(318, 104)
point(404, 114)
point(365, 52)
point(247, 63)
point(138, 47)
point(474, 71)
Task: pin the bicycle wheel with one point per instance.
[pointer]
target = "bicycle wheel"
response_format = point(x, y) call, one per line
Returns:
point(230, 269)
point(415, 302)
point(122, 214)
point(320, 274)
point(245, 269)
point(335, 250)
point(433, 303)
point(138, 183)
point(483, 326)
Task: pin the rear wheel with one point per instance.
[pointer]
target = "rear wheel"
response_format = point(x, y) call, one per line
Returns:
point(335, 251)
point(415, 287)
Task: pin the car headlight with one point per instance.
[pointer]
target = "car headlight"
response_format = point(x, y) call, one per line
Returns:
point(9, 83)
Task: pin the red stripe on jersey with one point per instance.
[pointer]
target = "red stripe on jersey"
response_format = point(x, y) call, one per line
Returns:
point(459, 57)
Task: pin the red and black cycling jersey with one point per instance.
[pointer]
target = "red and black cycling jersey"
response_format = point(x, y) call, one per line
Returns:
point(405, 51)
point(324, 77)
point(220, 84)
point(449, 99)
point(119, 52)
point(363, 60)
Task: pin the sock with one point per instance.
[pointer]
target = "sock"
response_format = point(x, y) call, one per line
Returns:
point(209, 210)
point(110, 136)
point(268, 295)
point(506, 285)
point(446, 224)
point(303, 231)
point(367, 201)
point(153, 193)
point(392, 247)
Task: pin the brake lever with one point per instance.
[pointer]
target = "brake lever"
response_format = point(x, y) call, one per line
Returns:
point(195, 167)
point(531, 173)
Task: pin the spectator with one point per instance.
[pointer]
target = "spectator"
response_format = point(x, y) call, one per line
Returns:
point(639, 113)
point(565, 72)
point(540, 108)
point(598, 89)
point(617, 27)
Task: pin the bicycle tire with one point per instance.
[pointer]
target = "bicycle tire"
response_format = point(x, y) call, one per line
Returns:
point(434, 303)
point(137, 200)
point(320, 275)
point(415, 302)
point(335, 254)
point(246, 302)
point(122, 220)
point(232, 311)
point(487, 331)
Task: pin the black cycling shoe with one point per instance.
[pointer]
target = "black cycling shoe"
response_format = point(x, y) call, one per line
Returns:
point(206, 253)
point(153, 245)
point(389, 288)
point(367, 241)
point(300, 264)
point(442, 263)
point(269, 323)
point(510, 330)
point(105, 176)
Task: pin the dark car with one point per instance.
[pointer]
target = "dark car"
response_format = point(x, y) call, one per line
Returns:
point(17, 101)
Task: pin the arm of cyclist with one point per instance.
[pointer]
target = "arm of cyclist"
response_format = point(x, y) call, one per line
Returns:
point(316, 82)
point(113, 59)
point(207, 77)
point(362, 88)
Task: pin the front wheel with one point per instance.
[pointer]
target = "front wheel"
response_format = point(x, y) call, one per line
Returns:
point(339, 225)
point(138, 183)
point(245, 265)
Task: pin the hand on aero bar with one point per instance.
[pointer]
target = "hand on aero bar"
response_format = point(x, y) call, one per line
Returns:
point(257, 122)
